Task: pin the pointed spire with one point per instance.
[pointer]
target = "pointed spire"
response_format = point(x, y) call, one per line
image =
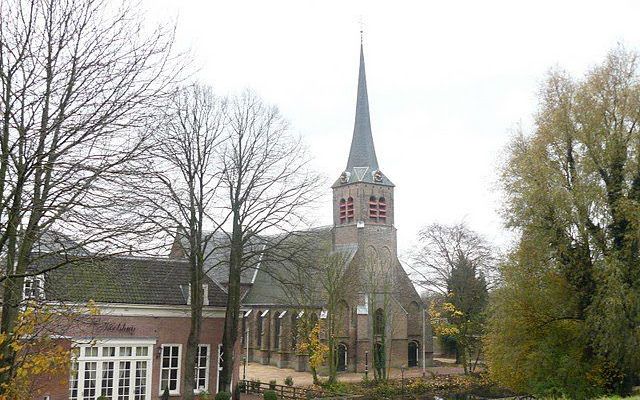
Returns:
point(362, 165)
point(363, 152)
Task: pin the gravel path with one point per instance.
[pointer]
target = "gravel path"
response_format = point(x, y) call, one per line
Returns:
point(267, 373)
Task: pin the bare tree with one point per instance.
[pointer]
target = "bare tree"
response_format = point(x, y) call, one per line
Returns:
point(268, 186)
point(440, 249)
point(79, 82)
point(179, 191)
point(378, 285)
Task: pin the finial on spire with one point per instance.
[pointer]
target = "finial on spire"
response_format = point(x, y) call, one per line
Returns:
point(361, 29)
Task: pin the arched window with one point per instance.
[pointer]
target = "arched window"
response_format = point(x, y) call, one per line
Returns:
point(382, 210)
point(350, 212)
point(259, 330)
point(294, 329)
point(341, 354)
point(373, 208)
point(343, 211)
point(276, 330)
point(412, 354)
point(378, 322)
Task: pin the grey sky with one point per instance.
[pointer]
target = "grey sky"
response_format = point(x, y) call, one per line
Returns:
point(448, 81)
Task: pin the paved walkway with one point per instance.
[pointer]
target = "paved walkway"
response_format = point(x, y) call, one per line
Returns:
point(266, 373)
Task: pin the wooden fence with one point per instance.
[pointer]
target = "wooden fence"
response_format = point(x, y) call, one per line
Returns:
point(289, 392)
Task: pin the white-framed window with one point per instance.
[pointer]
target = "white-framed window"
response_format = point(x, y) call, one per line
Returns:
point(202, 368)
point(170, 368)
point(33, 287)
point(117, 369)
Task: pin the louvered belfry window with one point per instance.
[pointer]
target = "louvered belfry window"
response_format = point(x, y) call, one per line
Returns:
point(343, 211)
point(377, 209)
point(382, 210)
point(350, 211)
point(373, 208)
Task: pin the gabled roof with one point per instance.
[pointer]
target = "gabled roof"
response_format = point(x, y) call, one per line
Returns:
point(285, 282)
point(216, 251)
point(362, 165)
point(128, 280)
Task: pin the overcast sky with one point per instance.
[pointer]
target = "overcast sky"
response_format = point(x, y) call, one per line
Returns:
point(448, 82)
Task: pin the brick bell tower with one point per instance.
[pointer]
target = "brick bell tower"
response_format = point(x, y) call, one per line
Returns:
point(363, 202)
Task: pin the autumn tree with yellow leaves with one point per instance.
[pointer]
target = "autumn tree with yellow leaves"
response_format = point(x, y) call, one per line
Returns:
point(460, 316)
point(309, 342)
point(40, 357)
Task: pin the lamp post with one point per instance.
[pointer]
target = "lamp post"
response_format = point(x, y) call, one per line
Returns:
point(366, 365)
point(402, 379)
point(424, 342)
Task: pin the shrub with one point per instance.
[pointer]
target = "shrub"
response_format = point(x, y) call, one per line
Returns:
point(223, 396)
point(242, 386)
point(165, 394)
point(288, 381)
point(272, 384)
point(255, 385)
point(103, 398)
point(270, 395)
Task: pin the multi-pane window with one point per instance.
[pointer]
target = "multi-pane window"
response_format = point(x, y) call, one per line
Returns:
point(107, 379)
point(111, 370)
point(140, 387)
point(124, 380)
point(202, 368)
point(170, 368)
point(73, 381)
point(89, 380)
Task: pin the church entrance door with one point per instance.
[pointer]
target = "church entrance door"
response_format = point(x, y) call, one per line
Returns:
point(342, 357)
point(413, 354)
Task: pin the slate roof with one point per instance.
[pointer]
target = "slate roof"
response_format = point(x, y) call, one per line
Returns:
point(130, 280)
point(216, 263)
point(282, 282)
point(362, 165)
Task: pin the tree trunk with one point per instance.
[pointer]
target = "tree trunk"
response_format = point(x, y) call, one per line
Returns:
point(196, 324)
point(232, 313)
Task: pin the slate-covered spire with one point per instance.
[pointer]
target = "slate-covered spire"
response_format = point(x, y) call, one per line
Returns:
point(362, 165)
point(363, 152)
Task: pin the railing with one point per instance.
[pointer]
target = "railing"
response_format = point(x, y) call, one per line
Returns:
point(288, 392)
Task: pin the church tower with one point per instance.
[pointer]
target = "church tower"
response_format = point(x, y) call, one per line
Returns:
point(363, 203)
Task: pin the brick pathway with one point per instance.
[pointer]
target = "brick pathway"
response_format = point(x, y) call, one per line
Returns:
point(267, 373)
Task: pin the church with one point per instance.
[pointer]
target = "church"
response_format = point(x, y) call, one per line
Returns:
point(382, 312)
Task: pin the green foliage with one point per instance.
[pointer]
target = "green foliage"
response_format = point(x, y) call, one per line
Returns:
point(223, 396)
point(567, 314)
point(165, 394)
point(272, 384)
point(270, 395)
point(103, 398)
point(288, 381)
point(255, 385)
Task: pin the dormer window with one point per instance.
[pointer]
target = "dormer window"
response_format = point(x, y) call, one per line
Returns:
point(205, 294)
point(377, 209)
point(33, 287)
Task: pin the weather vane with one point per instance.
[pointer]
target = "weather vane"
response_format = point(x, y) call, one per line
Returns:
point(361, 22)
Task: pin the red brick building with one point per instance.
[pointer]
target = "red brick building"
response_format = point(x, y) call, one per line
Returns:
point(136, 346)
